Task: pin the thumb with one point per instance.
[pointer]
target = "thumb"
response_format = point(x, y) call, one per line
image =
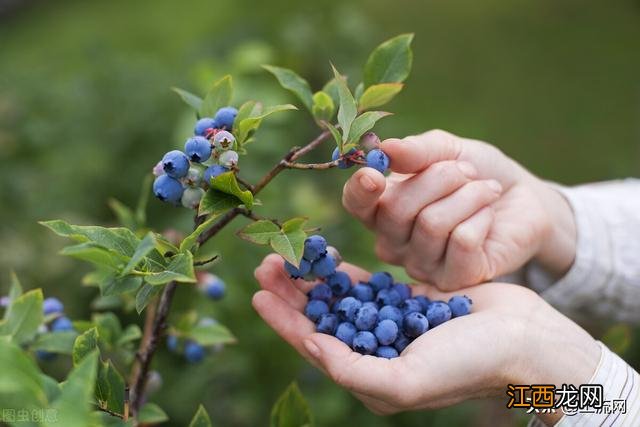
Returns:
point(414, 154)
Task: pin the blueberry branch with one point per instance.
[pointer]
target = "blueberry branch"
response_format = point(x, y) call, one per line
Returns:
point(313, 166)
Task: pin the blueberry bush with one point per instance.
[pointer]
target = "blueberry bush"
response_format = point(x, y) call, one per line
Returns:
point(139, 270)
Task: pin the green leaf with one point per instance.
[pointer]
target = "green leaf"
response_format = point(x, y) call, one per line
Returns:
point(55, 342)
point(363, 123)
point(123, 213)
point(390, 62)
point(85, 344)
point(331, 89)
point(151, 413)
point(21, 384)
point(109, 328)
point(23, 317)
point(96, 254)
point(180, 269)
point(290, 242)
point(143, 200)
point(218, 96)
point(144, 296)
point(251, 124)
point(259, 232)
point(109, 389)
point(246, 110)
point(186, 322)
point(216, 202)
point(118, 239)
point(73, 405)
point(335, 133)
point(146, 245)
point(189, 241)
point(201, 418)
point(194, 101)
point(291, 409)
point(131, 333)
point(15, 291)
point(378, 95)
point(323, 106)
point(347, 110)
point(357, 93)
point(294, 83)
point(208, 335)
point(113, 285)
point(227, 183)
point(50, 387)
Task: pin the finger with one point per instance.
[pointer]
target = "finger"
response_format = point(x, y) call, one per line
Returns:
point(414, 154)
point(361, 193)
point(397, 209)
point(272, 277)
point(377, 406)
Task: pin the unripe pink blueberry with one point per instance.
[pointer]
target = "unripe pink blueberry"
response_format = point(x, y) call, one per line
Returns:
point(228, 159)
point(158, 169)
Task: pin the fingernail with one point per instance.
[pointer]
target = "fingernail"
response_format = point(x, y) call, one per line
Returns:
point(468, 169)
point(312, 348)
point(367, 183)
point(494, 185)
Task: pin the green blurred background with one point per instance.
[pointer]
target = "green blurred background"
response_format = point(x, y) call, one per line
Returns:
point(86, 111)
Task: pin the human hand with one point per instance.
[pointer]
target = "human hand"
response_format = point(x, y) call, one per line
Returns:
point(456, 212)
point(512, 336)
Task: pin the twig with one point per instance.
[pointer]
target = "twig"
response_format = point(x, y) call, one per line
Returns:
point(313, 166)
point(252, 216)
point(244, 183)
point(110, 412)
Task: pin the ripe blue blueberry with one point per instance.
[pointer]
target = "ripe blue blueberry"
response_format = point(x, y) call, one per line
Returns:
point(415, 324)
point(213, 171)
point(347, 309)
point(386, 332)
point(191, 197)
point(370, 304)
point(364, 342)
point(314, 247)
point(323, 266)
point(61, 324)
point(345, 332)
point(52, 305)
point(175, 164)
point(336, 305)
point(321, 292)
point(387, 352)
point(380, 280)
point(327, 324)
point(203, 124)
point(460, 305)
point(223, 140)
point(401, 342)
point(403, 290)
point(228, 159)
point(366, 318)
point(424, 302)
point(298, 272)
point(168, 189)
point(225, 117)
point(342, 164)
point(339, 282)
point(332, 251)
point(198, 149)
point(438, 312)
point(363, 292)
point(172, 342)
point(193, 352)
point(378, 160)
point(410, 305)
point(316, 308)
point(392, 313)
point(388, 297)
point(212, 286)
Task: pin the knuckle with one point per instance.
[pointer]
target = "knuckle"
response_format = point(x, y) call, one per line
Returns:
point(431, 223)
point(417, 271)
point(465, 238)
point(384, 253)
point(446, 174)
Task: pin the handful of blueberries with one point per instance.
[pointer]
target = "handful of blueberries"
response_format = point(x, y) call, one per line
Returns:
point(378, 317)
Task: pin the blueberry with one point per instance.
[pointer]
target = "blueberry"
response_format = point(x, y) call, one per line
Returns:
point(460, 305)
point(386, 332)
point(410, 305)
point(193, 352)
point(213, 171)
point(335, 254)
point(365, 342)
point(336, 305)
point(392, 313)
point(213, 287)
point(438, 312)
point(228, 159)
point(424, 302)
point(321, 292)
point(298, 272)
point(388, 297)
point(193, 177)
point(203, 124)
point(363, 292)
point(191, 197)
point(327, 324)
point(225, 117)
point(403, 290)
point(175, 164)
point(345, 332)
point(401, 342)
point(198, 149)
point(314, 247)
point(62, 324)
point(387, 352)
point(370, 304)
point(154, 382)
point(378, 160)
point(343, 163)
point(45, 356)
point(168, 189)
point(339, 282)
point(369, 141)
point(347, 309)
point(415, 324)
point(316, 308)
point(366, 318)
point(52, 305)
point(158, 169)
point(172, 342)
point(380, 280)
point(323, 266)
point(223, 140)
